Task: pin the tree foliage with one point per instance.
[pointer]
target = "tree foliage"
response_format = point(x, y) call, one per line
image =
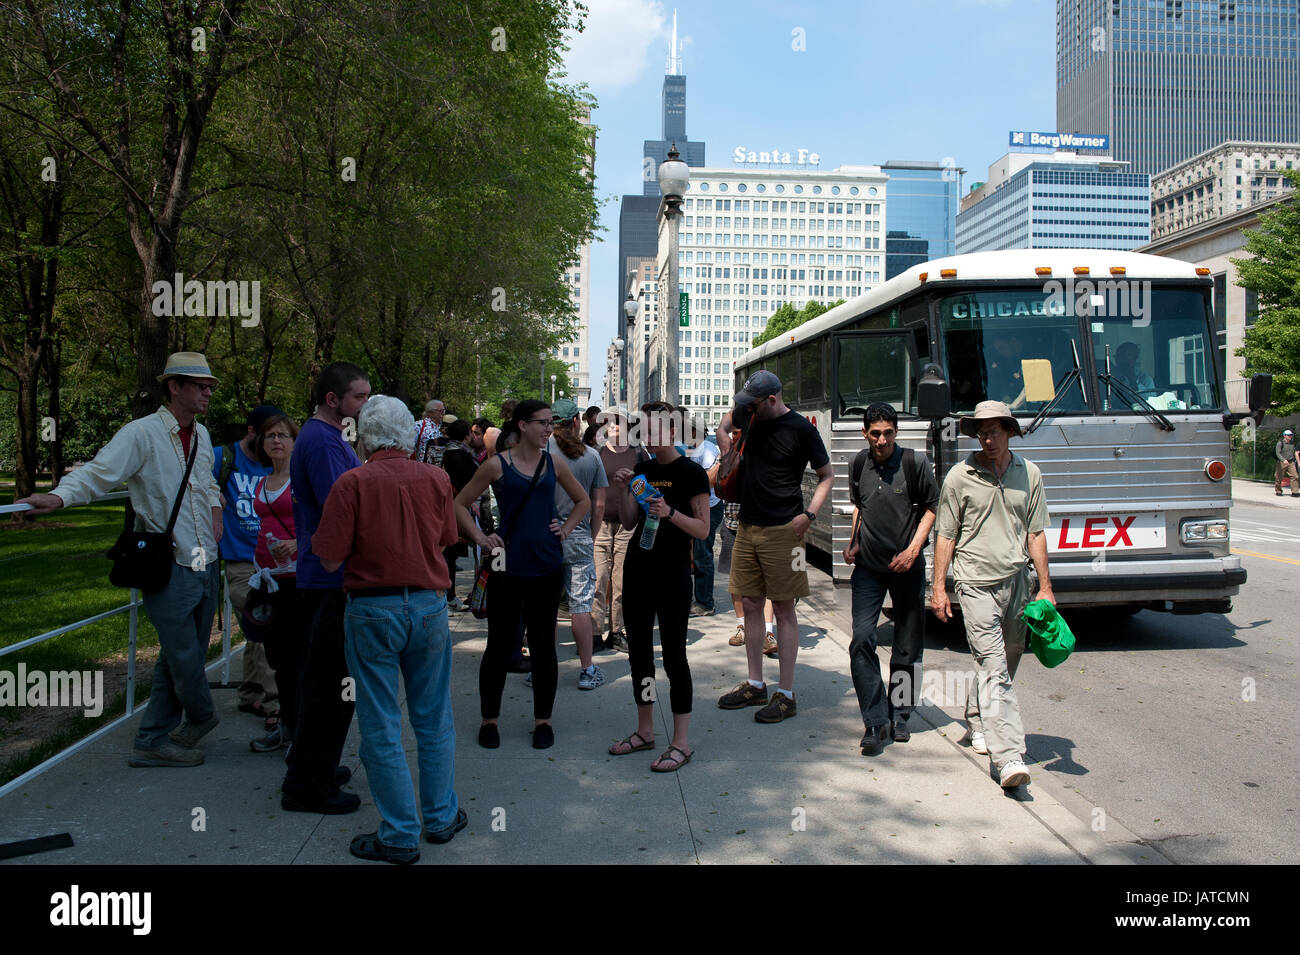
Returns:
point(787, 318)
point(1272, 343)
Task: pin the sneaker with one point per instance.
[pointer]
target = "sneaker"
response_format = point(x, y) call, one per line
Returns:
point(745, 694)
point(619, 641)
point(456, 605)
point(769, 644)
point(738, 638)
point(699, 610)
point(780, 708)
point(590, 679)
point(166, 754)
point(1013, 774)
point(188, 734)
point(278, 738)
point(978, 745)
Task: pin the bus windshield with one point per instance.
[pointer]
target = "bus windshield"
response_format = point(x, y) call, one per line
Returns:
point(1012, 345)
point(1015, 345)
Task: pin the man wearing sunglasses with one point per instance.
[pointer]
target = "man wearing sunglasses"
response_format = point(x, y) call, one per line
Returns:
point(150, 455)
point(992, 513)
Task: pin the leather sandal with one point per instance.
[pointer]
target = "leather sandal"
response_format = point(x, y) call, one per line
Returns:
point(675, 763)
point(616, 750)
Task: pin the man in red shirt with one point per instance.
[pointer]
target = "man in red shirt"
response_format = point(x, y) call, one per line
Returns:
point(390, 520)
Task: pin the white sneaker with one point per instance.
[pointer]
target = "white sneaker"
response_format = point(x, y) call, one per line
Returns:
point(978, 745)
point(1013, 774)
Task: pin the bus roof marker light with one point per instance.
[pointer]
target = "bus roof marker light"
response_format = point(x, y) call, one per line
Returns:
point(923, 276)
point(1082, 270)
point(1043, 270)
point(1118, 270)
point(947, 273)
point(1202, 270)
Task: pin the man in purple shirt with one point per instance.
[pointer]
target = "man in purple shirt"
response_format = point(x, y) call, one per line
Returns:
point(321, 454)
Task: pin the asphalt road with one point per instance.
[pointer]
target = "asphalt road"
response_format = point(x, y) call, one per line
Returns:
point(1179, 729)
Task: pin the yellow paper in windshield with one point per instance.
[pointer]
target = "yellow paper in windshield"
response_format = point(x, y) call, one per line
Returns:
point(1038, 379)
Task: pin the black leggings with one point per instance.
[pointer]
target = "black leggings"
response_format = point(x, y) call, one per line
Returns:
point(534, 601)
point(667, 596)
point(285, 649)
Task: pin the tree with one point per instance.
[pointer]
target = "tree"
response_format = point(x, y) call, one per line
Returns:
point(786, 319)
point(1272, 344)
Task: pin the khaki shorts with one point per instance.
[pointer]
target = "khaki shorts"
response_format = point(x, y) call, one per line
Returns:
point(763, 561)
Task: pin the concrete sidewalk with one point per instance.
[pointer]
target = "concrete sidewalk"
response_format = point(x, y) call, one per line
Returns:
point(1261, 492)
point(794, 792)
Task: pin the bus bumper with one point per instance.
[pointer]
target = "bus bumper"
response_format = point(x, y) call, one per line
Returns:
point(1189, 585)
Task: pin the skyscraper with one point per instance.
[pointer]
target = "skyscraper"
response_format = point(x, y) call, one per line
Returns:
point(921, 221)
point(637, 231)
point(1169, 80)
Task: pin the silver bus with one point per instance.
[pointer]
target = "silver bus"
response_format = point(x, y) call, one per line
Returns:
point(1109, 361)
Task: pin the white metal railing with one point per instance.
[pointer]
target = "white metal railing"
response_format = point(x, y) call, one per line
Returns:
point(132, 607)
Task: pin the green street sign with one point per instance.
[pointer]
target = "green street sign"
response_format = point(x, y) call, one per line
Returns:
point(683, 309)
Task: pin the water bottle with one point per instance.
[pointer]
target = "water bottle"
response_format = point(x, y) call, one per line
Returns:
point(649, 531)
point(271, 541)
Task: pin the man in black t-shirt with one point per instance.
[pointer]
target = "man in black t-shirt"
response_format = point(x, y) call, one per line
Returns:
point(768, 559)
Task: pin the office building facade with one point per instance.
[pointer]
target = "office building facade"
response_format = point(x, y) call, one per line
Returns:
point(922, 221)
point(576, 353)
point(1056, 201)
point(1169, 80)
point(1218, 182)
point(754, 239)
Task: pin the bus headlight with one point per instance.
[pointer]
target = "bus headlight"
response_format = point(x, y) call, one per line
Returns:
point(1194, 532)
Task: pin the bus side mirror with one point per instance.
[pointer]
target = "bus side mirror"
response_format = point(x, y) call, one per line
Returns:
point(1261, 392)
point(933, 396)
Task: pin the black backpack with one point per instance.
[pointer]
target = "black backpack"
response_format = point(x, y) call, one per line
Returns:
point(911, 475)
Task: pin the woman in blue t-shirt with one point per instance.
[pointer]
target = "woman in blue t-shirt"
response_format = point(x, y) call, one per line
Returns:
point(525, 555)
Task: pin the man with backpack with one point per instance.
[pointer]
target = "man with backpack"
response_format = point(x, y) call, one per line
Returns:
point(895, 497)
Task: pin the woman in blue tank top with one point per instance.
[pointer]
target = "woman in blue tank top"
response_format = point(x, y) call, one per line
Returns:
point(526, 557)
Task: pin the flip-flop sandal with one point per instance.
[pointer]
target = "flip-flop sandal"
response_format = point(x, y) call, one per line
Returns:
point(657, 766)
point(627, 741)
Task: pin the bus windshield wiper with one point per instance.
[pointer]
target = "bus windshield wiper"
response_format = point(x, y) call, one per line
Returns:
point(1129, 393)
point(1070, 377)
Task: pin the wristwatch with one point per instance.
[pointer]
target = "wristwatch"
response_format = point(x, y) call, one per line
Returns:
point(811, 516)
point(671, 511)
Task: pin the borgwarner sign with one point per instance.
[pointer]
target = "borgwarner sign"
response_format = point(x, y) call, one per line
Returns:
point(1058, 140)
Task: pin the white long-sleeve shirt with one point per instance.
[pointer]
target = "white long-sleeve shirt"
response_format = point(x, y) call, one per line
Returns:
point(146, 453)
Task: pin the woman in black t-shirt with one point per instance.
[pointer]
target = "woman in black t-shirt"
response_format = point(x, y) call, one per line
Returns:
point(657, 581)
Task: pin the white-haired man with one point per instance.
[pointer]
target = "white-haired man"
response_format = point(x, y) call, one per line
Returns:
point(428, 430)
point(390, 520)
point(150, 454)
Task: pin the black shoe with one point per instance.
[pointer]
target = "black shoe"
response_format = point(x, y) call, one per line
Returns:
point(619, 642)
point(443, 836)
point(901, 733)
point(342, 775)
point(335, 804)
point(488, 736)
point(873, 740)
point(543, 736)
point(368, 846)
point(520, 665)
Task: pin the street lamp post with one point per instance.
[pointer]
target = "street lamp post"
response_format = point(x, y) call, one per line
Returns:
point(630, 308)
point(541, 388)
point(674, 179)
point(553, 377)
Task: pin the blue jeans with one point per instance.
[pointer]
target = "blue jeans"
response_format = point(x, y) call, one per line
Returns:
point(404, 633)
point(182, 614)
point(704, 558)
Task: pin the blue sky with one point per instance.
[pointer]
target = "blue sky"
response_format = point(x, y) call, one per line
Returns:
point(926, 79)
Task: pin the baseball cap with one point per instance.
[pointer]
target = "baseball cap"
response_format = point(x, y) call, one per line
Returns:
point(565, 408)
point(1288, 431)
point(761, 384)
point(257, 417)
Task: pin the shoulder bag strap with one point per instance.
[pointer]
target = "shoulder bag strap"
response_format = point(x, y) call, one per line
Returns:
point(537, 476)
point(180, 492)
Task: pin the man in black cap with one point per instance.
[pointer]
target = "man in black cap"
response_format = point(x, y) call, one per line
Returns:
point(237, 472)
point(768, 558)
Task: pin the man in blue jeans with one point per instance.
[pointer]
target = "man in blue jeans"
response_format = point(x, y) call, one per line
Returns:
point(705, 453)
point(894, 495)
point(391, 520)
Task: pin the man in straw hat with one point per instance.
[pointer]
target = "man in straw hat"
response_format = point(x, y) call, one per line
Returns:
point(150, 454)
point(992, 514)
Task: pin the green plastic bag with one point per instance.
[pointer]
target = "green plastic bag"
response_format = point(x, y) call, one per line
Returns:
point(1050, 636)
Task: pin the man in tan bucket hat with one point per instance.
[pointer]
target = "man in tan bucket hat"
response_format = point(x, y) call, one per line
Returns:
point(150, 455)
point(992, 514)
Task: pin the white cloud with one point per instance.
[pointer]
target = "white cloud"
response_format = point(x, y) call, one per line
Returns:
point(619, 39)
